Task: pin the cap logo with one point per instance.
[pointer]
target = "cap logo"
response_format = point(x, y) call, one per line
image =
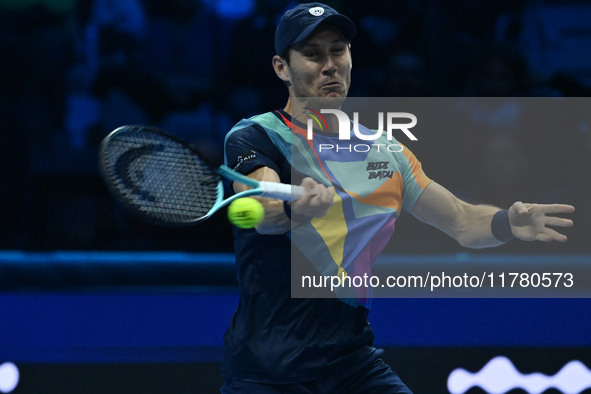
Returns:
point(316, 11)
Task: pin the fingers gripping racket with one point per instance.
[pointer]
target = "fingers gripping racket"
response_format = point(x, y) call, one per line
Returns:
point(167, 181)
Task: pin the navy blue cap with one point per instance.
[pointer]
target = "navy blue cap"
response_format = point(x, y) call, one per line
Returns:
point(298, 23)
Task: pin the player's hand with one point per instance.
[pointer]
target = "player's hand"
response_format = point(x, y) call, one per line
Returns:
point(533, 222)
point(316, 202)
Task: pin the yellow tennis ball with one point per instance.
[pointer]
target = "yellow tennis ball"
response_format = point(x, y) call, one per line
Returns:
point(245, 212)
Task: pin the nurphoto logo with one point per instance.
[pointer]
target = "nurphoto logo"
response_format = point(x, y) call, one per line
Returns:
point(391, 120)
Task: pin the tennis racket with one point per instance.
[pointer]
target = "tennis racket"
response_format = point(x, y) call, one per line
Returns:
point(167, 181)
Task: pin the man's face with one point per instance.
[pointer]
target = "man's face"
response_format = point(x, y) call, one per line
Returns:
point(321, 65)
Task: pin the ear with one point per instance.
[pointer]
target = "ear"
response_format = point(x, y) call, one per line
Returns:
point(281, 68)
point(350, 55)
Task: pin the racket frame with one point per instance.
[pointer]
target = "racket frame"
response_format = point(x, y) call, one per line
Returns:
point(258, 188)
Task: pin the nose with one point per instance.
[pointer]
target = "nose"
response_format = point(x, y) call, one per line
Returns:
point(330, 66)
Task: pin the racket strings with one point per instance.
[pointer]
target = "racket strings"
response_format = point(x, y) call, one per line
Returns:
point(164, 180)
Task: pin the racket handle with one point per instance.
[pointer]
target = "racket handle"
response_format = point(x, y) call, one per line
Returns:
point(281, 191)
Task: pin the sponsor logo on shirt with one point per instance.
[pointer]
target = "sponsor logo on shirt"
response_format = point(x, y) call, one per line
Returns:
point(379, 170)
point(243, 158)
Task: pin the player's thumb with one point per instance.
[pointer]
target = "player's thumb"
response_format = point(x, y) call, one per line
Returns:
point(519, 208)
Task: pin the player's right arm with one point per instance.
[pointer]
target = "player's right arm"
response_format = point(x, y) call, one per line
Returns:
point(317, 200)
point(471, 225)
point(250, 151)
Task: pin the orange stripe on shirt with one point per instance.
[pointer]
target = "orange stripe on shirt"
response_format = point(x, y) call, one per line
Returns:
point(417, 170)
point(302, 132)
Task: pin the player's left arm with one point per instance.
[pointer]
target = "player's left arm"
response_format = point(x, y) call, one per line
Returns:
point(470, 224)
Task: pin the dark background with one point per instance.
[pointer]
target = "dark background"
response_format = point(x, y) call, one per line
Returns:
point(73, 70)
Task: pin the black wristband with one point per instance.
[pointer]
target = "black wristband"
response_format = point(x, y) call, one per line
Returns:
point(500, 226)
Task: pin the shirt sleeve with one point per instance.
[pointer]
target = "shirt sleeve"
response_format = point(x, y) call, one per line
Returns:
point(413, 178)
point(248, 147)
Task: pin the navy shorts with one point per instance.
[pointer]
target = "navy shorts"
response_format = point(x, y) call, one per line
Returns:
point(374, 378)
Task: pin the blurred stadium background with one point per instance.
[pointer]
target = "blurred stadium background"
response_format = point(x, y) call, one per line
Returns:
point(94, 301)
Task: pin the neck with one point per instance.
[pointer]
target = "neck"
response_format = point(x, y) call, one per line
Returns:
point(288, 107)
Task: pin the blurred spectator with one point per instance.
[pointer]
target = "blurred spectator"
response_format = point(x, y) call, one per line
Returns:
point(458, 32)
point(248, 65)
point(383, 28)
point(500, 71)
point(475, 23)
point(182, 63)
point(179, 54)
point(107, 35)
point(555, 37)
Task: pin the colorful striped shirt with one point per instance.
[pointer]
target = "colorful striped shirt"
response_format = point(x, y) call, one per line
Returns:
point(279, 337)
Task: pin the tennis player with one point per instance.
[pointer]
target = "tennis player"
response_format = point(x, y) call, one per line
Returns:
point(279, 344)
